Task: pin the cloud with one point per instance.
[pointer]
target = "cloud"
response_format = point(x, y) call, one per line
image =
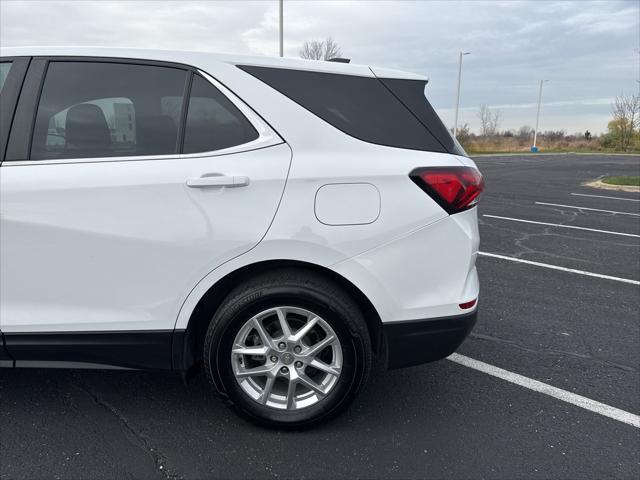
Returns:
point(587, 49)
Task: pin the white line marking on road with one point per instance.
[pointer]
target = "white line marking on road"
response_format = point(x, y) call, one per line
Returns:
point(540, 387)
point(585, 208)
point(562, 226)
point(562, 269)
point(604, 196)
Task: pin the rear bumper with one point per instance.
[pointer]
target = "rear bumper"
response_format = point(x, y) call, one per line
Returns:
point(420, 341)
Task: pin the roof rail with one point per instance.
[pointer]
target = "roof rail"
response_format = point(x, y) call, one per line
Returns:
point(339, 60)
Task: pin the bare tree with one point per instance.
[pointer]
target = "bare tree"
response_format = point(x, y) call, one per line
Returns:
point(320, 49)
point(331, 49)
point(525, 132)
point(489, 120)
point(626, 115)
point(312, 50)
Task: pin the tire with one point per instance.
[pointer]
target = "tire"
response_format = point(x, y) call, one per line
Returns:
point(301, 294)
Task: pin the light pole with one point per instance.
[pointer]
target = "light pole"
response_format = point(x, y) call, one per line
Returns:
point(455, 122)
point(638, 52)
point(281, 28)
point(535, 132)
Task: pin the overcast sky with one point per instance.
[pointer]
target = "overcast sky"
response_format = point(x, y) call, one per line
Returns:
point(588, 50)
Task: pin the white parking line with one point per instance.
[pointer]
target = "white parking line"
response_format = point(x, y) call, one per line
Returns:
point(604, 196)
point(563, 269)
point(585, 208)
point(535, 385)
point(561, 226)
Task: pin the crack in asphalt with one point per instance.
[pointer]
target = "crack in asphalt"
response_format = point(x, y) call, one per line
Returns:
point(503, 341)
point(523, 237)
point(142, 441)
point(523, 250)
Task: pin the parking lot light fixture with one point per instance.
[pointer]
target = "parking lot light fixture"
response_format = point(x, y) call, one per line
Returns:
point(455, 122)
point(534, 148)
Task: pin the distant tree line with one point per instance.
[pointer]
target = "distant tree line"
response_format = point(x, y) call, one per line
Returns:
point(623, 132)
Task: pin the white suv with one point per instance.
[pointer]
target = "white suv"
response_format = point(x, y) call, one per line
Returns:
point(284, 223)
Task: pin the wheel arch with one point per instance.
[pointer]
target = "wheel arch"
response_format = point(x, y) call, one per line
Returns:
point(188, 343)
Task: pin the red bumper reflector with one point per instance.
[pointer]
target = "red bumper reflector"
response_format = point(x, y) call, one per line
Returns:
point(467, 305)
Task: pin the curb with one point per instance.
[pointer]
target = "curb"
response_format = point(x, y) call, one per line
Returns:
point(606, 186)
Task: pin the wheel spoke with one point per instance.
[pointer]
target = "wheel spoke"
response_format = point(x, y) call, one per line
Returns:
point(260, 371)
point(315, 363)
point(318, 347)
point(284, 326)
point(307, 382)
point(306, 328)
point(266, 393)
point(242, 350)
point(291, 393)
point(264, 335)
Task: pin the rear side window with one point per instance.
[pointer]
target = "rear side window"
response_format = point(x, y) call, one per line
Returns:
point(90, 110)
point(411, 94)
point(4, 73)
point(213, 122)
point(359, 106)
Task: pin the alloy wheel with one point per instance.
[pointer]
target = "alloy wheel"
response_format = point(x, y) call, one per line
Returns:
point(286, 358)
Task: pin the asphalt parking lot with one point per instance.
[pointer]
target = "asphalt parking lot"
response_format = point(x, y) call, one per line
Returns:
point(577, 331)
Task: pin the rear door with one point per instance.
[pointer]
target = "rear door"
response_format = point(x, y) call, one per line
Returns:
point(131, 182)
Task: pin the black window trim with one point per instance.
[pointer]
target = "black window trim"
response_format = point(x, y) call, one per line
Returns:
point(29, 100)
point(10, 95)
point(19, 141)
point(184, 112)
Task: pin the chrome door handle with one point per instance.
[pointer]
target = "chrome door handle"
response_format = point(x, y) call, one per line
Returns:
point(218, 181)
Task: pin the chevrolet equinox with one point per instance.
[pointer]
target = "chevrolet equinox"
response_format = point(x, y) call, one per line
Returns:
point(285, 224)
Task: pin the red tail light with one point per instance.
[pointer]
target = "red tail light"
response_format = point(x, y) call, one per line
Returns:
point(454, 188)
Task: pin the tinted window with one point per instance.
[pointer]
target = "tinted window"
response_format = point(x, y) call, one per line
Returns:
point(359, 106)
point(213, 122)
point(107, 110)
point(411, 94)
point(4, 72)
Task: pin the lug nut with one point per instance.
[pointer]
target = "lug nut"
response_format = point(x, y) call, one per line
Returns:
point(274, 359)
point(298, 364)
point(284, 370)
point(282, 345)
point(297, 349)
